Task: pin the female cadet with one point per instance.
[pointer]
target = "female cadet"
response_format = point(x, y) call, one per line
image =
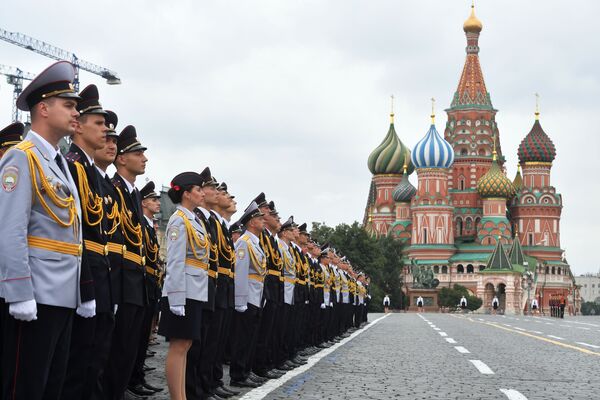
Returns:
point(495, 305)
point(186, 282)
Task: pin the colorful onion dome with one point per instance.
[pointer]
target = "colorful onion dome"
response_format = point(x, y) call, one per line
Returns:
point(404, 192)
point(494, 183)
point(536, 146)
point(432, 151)
point(390, 156)
point(518, 181)
point(472, 24)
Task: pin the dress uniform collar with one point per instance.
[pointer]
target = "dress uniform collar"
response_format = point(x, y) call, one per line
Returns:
point(130, 186)
point(101, 172)
point(218, 216)
point(204, 211)
point(150, 222)
point(187, 212)
point(48, 148)
point(283, 244)
point(253, 238)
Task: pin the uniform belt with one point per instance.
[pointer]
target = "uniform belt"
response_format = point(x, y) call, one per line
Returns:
point(202, 265)
point(289, 280)
point(318, 286)
point(274, 272)
point(136, 258)
point(152, 271)
point(225, 271)
point(256, 277)
point(73, 249)
point(116, 248)
point(345, 291)
point(301, 281)
point(96, 247)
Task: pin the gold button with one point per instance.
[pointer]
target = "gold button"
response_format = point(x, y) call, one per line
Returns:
point(143, 261)
point(105, 250)
point(80, 250)
point(124, 249)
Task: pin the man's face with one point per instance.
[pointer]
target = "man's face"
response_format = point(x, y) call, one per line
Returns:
point(152, 204)
point(258, 223)
point(134, 162)
point(61, 114)
point(92, 131)
point(222, 199)
point(107, 154)
point(210, 196)
point(232, 208)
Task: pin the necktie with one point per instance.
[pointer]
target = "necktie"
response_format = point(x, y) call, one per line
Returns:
point(60, 164)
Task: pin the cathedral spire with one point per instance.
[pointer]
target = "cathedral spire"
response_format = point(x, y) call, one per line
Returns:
point(471, 91)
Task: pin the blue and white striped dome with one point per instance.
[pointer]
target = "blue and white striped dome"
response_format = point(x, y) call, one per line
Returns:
point(432, 151)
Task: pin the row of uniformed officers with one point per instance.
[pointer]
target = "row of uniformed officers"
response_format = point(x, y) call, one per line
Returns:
point(81, 275)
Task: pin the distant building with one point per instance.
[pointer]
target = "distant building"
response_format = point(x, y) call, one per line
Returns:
point(590, 286)
point(466, 221)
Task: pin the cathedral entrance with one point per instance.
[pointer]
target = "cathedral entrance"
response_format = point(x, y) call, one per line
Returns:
point(488, 295)
point(502, 297)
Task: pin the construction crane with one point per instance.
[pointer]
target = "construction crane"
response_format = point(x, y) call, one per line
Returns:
point(15, 76)
point(56, 53)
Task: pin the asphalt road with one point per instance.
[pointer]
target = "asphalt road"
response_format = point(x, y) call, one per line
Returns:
point(446, 356)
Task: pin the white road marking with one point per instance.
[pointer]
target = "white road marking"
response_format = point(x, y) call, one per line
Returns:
point(461, 349)
point(481, 319)
point(548, 323)
point(450, 340)
point(538, 332)
point(593, 346)
point(443, 334)
point(513, 394)
point(584, 328)
point(510, 326)
point(556, 337)
point(436, 329)
point(567, 326)
point(262, 391)
point(482, 367)
point(520, 329)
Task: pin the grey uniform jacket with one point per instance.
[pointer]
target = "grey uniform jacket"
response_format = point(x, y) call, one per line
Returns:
point(326, 288)
point(249, 277)
point(26, 272)
point(345, 287)
point(184, 280)
point(289, 272)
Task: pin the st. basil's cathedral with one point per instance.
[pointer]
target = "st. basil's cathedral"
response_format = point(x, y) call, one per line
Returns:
point(466, 221)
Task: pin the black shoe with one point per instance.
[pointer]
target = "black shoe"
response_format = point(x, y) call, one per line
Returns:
point(153, 388)
point(279, 371)
point(139, 390)
point(222, 393)
point(255, 378)
point(268, 375)
point(147, 368)
point(244, 384)
point(290, 364)
point(284, 367)
point(229, 390)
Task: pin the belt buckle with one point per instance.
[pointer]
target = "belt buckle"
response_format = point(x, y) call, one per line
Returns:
point(80, 250)
point(105, 250)
point(123, 249)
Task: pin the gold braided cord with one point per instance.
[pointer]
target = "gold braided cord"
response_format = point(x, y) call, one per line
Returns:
point(60, 202)
point(151, 248)
point(193, 239)
point(90, 203)
point(288, 263)
point(127, 226)
point(115, 216)
point(271, 252)
point(224, 247)
point(262, 266)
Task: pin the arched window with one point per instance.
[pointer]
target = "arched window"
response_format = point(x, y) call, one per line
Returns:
point(469, 269)
point(547, 270)
point(461, 183)
point(553, 271)
point(559, 271)
point(458, 226)
point(481, 267)
point(436, 269)
point(469, 224)
point(444, 269)
point(477, 221)
point(460, 269)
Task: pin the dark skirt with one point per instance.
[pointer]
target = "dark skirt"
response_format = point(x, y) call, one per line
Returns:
point(534, 307)
point(188, 326)
point(495, 306)
point(419, 304)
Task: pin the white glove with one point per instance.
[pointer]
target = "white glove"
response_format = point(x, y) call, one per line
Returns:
point(23, 310)
point(306, 302)
point(116, 307)
point(178, 310)
point(241, 308)
point(87, 309)
point(323, 306)
point(331, 304)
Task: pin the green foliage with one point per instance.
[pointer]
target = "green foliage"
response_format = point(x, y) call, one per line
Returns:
point(450, 297)
point(590, 308)
point(378, 258)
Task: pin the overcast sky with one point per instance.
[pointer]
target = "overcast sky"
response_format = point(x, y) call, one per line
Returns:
point(290, 97)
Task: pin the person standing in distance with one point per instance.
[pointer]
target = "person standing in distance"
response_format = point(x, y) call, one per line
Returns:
point(386, 304)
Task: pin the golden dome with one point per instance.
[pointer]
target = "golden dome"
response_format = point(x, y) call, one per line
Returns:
point(472, 24)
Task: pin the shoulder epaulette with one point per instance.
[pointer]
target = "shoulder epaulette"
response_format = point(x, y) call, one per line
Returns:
point(73, 156)
point(24, 145)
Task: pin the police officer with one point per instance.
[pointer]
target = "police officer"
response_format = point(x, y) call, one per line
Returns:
point(11, 135)
point(186, 283)
point(130, 162)
point(93, 325)
point(41, 241)
point(150, 207)
point(250, 272)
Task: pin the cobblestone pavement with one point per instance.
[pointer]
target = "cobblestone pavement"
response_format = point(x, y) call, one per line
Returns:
point(446, 356)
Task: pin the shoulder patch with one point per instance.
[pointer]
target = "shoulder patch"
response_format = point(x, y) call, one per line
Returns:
point(10, 178)
point(72, 156)
point(241, 253)
point(173, 233)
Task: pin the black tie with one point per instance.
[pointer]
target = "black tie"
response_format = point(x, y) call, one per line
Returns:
point(59, 162)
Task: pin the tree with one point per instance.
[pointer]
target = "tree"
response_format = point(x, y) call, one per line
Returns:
point(590, 308)
point(378, 258)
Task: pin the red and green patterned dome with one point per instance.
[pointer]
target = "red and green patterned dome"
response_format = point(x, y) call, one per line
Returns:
point(536, 146)
point(495, 184)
